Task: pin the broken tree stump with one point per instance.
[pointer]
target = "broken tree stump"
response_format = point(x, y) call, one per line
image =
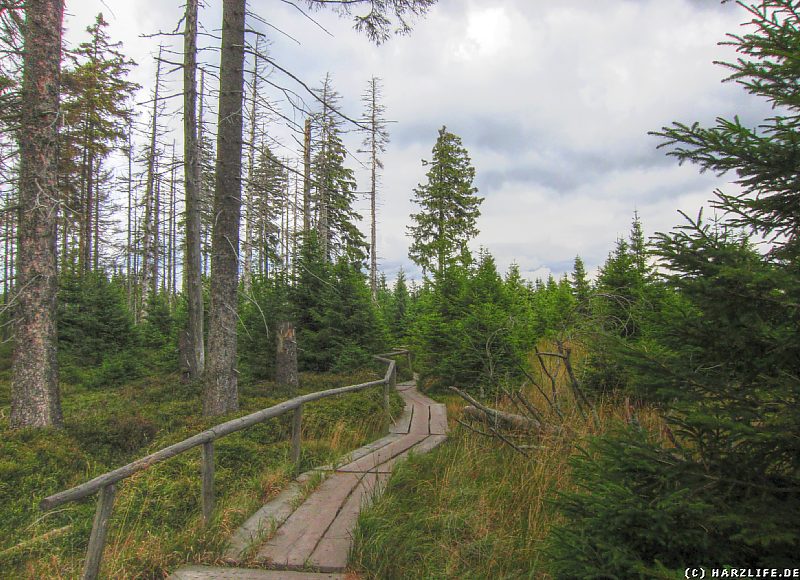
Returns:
point(286, 357)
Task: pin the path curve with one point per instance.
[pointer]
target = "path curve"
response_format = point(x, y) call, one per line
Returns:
point(317, 534)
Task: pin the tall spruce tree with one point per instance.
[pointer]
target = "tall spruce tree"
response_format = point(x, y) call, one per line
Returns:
point(96, 117)
point(449, 208)
point(335, 185)
point(580, 283)
point(267, 190)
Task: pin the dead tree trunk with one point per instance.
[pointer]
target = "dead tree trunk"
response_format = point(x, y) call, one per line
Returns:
point(307, 177)
point(149, 236)
point(250, 202)
point(194, 354)
point(35, 398)
point(221, 387)
point(286, 358)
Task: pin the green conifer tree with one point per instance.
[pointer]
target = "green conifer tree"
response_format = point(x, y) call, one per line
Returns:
point(449, 208)
point(96, 117)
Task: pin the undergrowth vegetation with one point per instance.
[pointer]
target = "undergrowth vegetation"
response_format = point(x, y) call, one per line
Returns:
point(156, 524)
point(475, 507)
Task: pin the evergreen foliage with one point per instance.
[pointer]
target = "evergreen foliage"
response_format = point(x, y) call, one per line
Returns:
point(449, 208)
point(724, 355)
point(335, 185)
point(472, 328)
point(337, 323)
point(96, 117)
point(93, 318)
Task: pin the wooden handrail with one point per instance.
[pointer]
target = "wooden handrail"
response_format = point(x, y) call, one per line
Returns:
point(105, 483)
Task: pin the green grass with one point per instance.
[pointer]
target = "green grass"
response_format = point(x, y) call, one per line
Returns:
point(156, 523)
point(473, 508)
point(468, 509)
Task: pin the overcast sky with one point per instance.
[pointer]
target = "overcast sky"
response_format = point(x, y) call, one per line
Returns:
point(553, 101)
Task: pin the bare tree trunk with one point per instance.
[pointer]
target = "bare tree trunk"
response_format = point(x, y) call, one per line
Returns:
point(129, 248)
point(171, 228)
point(307, 177)
point(194, 354)
point(148, 249)
point(155, 246)
point(286, 357)
point(294, 228)
point(249, 211)
point(221, 387)
point(35, 398)
point(96, 212)
point(202, 193)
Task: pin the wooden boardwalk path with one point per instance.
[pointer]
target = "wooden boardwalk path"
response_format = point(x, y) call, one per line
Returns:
point(312, 537)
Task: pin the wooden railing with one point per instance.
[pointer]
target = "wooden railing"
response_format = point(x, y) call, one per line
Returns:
point(106, 483)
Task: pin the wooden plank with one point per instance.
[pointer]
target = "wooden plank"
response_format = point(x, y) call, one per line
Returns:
point(207, 484)
point(403, 423)
point(428, 443)
point(97, 539)
point(263, 522)
point(438, 420)
point(217, 573)
point(332, 550)
point(296, 539)
point(367, 449)
point(331, 554)
point(419, 422)
point(384, 454)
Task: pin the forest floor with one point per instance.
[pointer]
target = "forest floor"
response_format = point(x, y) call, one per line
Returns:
point(156, 525)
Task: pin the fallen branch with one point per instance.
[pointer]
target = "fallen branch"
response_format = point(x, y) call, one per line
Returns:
point(480, 411)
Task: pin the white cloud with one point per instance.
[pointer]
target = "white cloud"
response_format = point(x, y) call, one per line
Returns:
point(552, 99)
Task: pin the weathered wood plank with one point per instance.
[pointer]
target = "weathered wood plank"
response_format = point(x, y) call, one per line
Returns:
point(296, 539)
point(374, 460)
point(419, 422)
point(438, 420)
point(403, 423)
point(297, 428)
point(97, 539)
point(216, 573)
point(208, 482)
point(268, 518)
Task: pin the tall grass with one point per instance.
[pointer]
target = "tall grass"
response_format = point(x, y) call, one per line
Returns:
point(475, 507)
point(156, 523)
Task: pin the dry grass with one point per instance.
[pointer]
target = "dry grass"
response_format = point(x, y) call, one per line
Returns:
point(474, 507)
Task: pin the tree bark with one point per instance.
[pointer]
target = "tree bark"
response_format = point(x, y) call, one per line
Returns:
point(192, 267)
point(286, 358)
point(35, 398)
point(221, 387)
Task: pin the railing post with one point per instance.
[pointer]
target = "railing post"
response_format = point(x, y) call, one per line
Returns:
point(208, 482)
point(297, 424)
point(97, 540)
point(390, 384)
